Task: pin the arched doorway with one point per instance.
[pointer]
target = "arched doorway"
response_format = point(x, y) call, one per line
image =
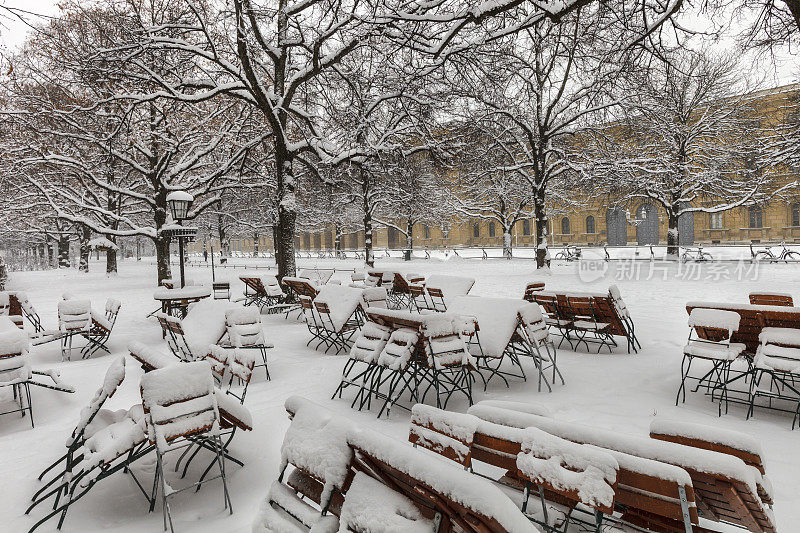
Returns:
point(686, 228)
point(647, 230)
point(616, 227)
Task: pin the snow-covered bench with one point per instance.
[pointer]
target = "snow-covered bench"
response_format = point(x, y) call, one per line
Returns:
point(771, 298)
point(726, 489)
point(776, 371)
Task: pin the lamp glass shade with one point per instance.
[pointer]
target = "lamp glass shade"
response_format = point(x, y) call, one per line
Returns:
point(179, 204)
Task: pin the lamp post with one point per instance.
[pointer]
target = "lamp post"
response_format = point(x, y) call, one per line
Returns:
point(179, 203)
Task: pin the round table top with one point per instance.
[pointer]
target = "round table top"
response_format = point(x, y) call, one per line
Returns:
point(192, 291)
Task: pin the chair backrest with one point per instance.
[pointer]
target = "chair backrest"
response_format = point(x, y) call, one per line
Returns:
point(112, 309)
point(374, 297)
point(112, 380)
point(357, 276)
point(253, 285)
point(443, 342)
point(533, 324)
point(576, 472)
point(713, 325)
point(531, 288)
point(179, 401)
point(548, 303)
point(771, 298)
point(370, 343)
point(446, 433)
point(231, 366)
point(303, 287)
point(399, 349)
point(74, 314)
point(244, 327)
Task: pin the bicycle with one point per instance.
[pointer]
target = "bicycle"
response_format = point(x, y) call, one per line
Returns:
point(696, 254)
point(766, 254)
point(570, 253)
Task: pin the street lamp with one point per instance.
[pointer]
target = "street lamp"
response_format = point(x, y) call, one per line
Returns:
point(179, 203)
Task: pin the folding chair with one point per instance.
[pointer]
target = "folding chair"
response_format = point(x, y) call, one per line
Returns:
point(190, 338)
point(15, 369)
point(449, 364)
point(262, 291)
point(111, 449)
point(245, 332)
point(624, 315)
point(374, 297)
point(400, 293)
point(532, 288)
point(181, 409)
point(74, 319)
point(93, 418)
point(555, 315)
point(586, 324)
point(229, 366)
point(777, 361)
point(710, 340)
point(339, 332)
point(365, 350)
point(100, 330)
point(20, 305)
point(314, 323)
point(396, 369)
point(533, 329)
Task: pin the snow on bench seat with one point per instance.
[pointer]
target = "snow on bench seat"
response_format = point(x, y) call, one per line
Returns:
point(443, 432)
point(578, 472)
point(714, 318)
point(374, 507)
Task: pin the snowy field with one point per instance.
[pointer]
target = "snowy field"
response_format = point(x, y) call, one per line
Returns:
point(620, 392)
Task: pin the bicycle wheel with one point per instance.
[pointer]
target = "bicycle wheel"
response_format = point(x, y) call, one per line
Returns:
point(791, 256)
point(704, 256)
point(560, 256)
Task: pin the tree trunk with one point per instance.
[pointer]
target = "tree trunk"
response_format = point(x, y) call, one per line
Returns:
point(63, 250)
point(287, 213)
point(672, 233)
point(540, 212)
point(255, 244)
point(85, 235)
point(111, 256)
point(224, 248)
point(275, 243)
point(410, 234)
point(162, 241)
point(369, 257)
point(337, 241)
point(507, 252)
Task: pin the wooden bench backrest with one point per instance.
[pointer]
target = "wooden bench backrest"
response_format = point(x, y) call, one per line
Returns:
point(532, 288)
point(302, 288)
point(749, 458)
point(548, 302)
point(752, 321)
point(758, 298)
point(435, 434)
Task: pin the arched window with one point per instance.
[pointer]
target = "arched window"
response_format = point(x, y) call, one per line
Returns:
point(476, 230)
point(565, 226)
point(491, 229)
point(795, 214)
point(526, 227)
point(756, 216)
point(426, 231)
point(590, 224)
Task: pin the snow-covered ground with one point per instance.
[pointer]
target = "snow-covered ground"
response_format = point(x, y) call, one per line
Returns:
point(620, 392)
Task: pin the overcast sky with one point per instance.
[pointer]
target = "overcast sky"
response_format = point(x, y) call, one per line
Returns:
point(762, 68)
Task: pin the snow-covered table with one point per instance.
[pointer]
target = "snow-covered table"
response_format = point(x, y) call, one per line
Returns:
point(176, 302)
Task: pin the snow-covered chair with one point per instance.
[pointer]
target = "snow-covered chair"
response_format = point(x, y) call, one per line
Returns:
point(587, 322)
point(365, 352)
point(92, 419)
point(232, 370)
point(263, 291)
point(245, 332)
point(374, 297)
point(337, 310)
point(710, 340)
point(151, 358)
point(74, 319)
point(449, 363)
point(776, 370)
point(15, 369)
point(16, 306)
point(180, 406)
point(533, 328)
point(531, 288)
point(438, 290)
point(319, 276)
point(400, 291)
point(393, 368)
point(190, 338)
point(313, 323)
point(100, 330)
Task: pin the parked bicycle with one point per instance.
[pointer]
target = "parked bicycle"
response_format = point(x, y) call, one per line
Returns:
point(766, 254)
point(696, 254)
point(569, 253)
